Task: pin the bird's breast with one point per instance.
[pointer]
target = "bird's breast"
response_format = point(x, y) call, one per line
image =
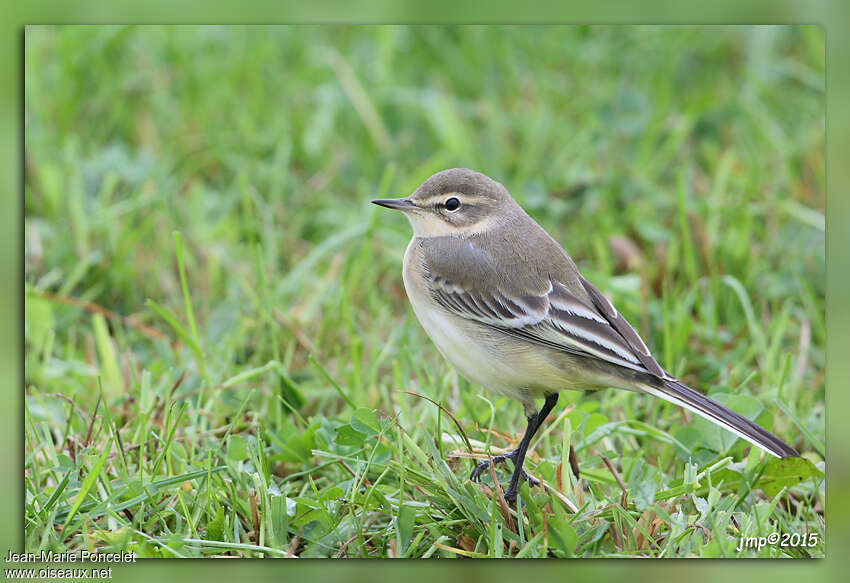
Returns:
point(484, 356)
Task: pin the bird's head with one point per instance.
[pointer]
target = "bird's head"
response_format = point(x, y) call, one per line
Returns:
point(457, 202)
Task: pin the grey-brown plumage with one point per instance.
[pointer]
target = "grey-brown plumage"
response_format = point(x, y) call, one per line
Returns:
point(507, 306)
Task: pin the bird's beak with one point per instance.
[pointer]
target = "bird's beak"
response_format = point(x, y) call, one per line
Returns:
point(399, 204)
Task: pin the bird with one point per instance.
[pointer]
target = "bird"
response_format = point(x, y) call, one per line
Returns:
point(506, 305)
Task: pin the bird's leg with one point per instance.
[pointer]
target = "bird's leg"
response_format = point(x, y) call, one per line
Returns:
point(535, 420)
point(534, 423)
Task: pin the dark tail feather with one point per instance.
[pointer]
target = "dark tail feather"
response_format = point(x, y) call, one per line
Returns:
point(684, 396)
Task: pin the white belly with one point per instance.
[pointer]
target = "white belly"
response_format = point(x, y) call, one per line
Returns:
point(481, 360)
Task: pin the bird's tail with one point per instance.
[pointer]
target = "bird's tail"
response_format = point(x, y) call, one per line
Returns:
point(675, 392)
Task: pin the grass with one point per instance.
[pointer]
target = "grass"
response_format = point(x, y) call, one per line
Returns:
point(220, 357)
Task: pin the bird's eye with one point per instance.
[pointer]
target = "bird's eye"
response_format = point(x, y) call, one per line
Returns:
point(452, 204)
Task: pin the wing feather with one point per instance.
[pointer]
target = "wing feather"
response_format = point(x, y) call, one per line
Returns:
point(557, 319)
point(559, 309)
point(625, 330)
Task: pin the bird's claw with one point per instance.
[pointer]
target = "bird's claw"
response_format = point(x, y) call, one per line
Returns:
point(485, 465)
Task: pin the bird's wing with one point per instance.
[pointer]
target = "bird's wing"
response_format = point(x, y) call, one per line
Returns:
point(543, 311)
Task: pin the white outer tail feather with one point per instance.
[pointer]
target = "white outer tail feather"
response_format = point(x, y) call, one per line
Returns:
point(772, 449)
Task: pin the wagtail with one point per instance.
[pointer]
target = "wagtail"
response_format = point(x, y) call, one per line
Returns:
point(506, 305)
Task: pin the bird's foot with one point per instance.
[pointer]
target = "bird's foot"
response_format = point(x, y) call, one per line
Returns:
point(485, 465)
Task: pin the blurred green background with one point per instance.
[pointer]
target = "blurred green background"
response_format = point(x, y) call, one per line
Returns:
point(663, 158)
point(280, 135)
